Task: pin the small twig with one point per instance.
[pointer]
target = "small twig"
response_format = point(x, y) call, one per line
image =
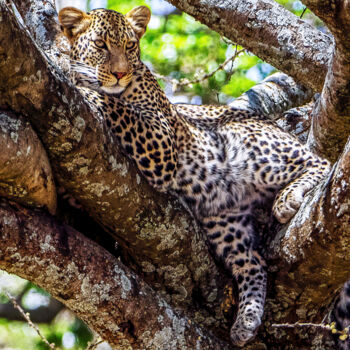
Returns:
point(27, 318)
point(343, 334)
point(93, 345)
point(183, 82)
point(302, 14)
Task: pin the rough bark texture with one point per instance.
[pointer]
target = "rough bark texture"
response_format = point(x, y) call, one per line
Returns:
point(274, 95)
point(331, 115)
point(113, 301)
point(32, 184)
point(269, 31)
point(312, 261)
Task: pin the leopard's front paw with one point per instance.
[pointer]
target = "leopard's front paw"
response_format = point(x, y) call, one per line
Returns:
point(244, 330)
point(287, 204)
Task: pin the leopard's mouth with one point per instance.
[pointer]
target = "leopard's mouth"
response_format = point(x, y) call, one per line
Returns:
point(116, 86)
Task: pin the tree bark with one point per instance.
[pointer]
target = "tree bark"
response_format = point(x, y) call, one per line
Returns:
point(32, 185)
point(331, 115)
point(274, 95)
point(115, 302)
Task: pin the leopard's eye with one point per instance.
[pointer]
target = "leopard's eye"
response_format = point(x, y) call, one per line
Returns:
point(130, 45)
point(100, 44)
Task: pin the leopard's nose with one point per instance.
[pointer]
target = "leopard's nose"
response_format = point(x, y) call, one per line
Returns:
point(119, 75)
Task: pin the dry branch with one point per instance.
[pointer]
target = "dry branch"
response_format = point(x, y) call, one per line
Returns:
point(42, 314)
point(95, 285)
point(29, 321)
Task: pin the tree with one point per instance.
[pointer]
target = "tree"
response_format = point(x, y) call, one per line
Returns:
point(160, 244)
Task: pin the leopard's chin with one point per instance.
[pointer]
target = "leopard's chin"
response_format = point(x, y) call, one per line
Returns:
point(112, 90)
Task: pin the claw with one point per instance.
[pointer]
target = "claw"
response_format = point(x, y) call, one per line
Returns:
point(287, 204)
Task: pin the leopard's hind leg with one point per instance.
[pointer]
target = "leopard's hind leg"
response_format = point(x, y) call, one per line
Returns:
point(231, 238)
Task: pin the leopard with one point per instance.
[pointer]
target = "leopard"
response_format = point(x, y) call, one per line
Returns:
point(220, 161)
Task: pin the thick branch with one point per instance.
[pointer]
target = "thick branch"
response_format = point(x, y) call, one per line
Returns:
point(41, 17)
point(331, 115)
point(274, 95)
point(93, 284)
point(90, 165)
point(312, 255)
point(269, 31)
point(33, 184)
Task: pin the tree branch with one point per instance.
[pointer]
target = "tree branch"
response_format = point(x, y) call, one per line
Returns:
point(274, 95)
point(331, 115)
point(42, 314)
point(269, 31)
point(313, 248)
point(89, 163)
point(33, 184)
point(93, 284)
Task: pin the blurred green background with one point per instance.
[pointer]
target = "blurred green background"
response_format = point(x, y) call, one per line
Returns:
point(176, 47)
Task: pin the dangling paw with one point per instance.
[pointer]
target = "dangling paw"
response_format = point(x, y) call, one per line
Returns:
point(244, 329)
point(287, 203)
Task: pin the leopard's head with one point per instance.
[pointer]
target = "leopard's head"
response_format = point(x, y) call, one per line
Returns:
point(106, 43)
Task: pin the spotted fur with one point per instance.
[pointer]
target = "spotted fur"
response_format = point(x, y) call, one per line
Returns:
point(220, 161)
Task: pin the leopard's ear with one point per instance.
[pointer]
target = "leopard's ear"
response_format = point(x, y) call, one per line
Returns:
point(139, 18)
point(73, 21)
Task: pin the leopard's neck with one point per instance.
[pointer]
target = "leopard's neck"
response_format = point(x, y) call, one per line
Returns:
point(144, 92)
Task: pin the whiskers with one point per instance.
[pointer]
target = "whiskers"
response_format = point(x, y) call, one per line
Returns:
point(97, 79)
point(84, 75)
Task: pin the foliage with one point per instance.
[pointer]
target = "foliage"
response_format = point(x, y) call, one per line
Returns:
point(66, 331)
